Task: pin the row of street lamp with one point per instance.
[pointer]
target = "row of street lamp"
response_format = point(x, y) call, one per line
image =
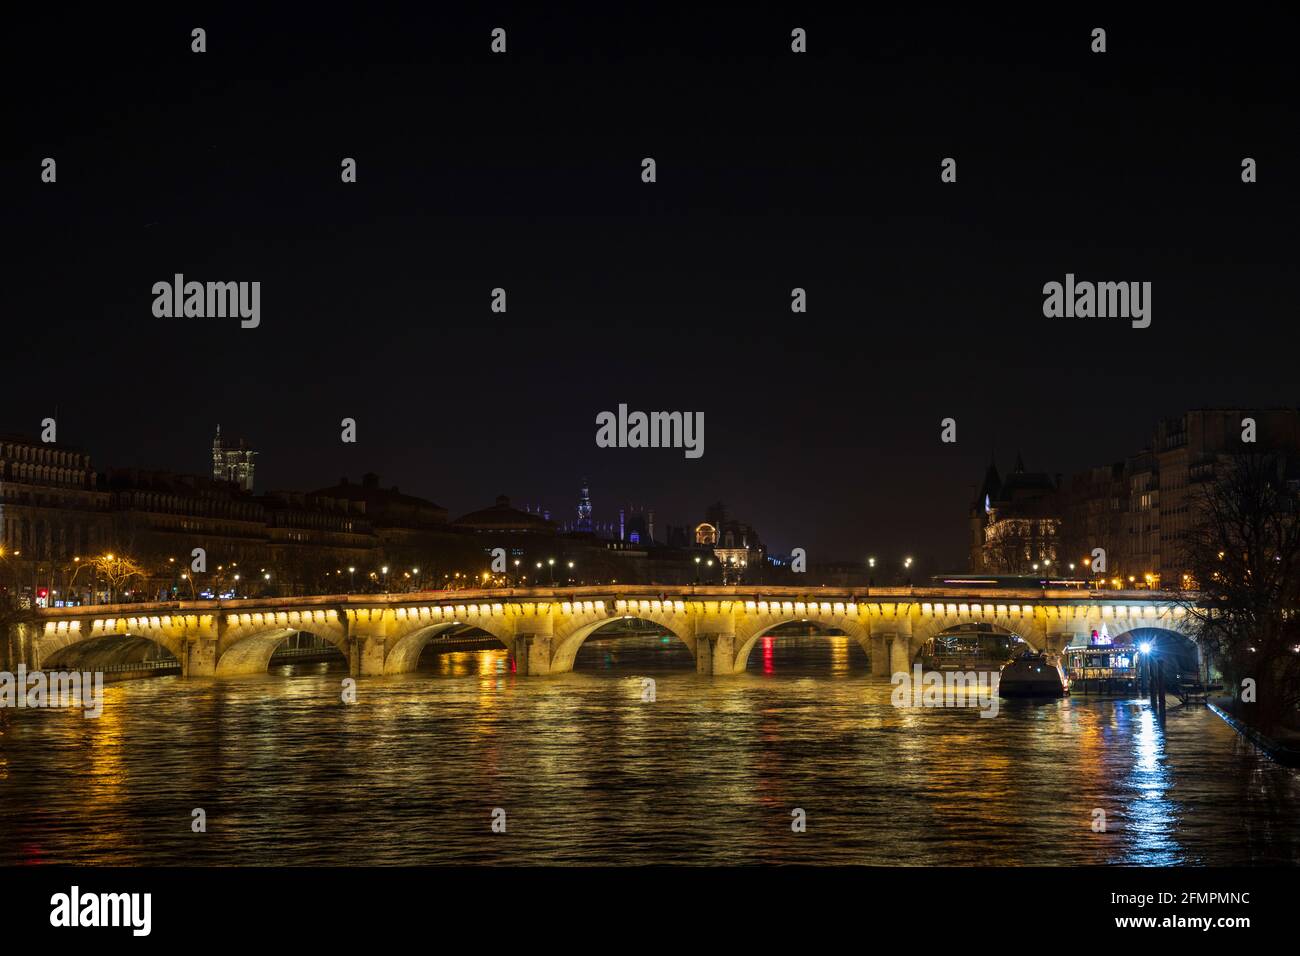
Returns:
point(871, 565)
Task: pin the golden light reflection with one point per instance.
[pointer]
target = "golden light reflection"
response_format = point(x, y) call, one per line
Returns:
point(839, 655)
point(106, 742)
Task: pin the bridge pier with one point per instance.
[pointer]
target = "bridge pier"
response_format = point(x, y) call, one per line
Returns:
point(533, 654)
point(724, 655)
point(19, 648)
point(704, 653)
point(900, 653)
point(716, 654)
point(200, 657)
point(366, 655)
point(878, 643)
point(715, 639)
point(1057, 642)
point(900, 646)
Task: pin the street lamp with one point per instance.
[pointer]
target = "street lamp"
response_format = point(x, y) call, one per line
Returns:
point(77, 568)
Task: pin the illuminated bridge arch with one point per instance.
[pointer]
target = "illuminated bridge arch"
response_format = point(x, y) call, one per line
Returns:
point(759, 618)
point(1174, 644)
point(566, 649)
point(63, 644)
point(106, 652)
point(404, 653)
point(246, 642)
point(1028, 630)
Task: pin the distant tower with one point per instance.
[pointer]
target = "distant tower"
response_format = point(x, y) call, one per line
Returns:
point(232, 464)
point(584, 509)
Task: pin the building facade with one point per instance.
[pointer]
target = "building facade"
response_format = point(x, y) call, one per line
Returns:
point(1015, 524)
point(733, 544)
point(1126, 524)
point(233, 463)
point(52, 507)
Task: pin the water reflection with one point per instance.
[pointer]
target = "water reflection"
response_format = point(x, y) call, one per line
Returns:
point(1150, 816)
point(588, 771)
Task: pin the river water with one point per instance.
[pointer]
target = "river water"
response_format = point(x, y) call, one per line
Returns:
point(585, 770)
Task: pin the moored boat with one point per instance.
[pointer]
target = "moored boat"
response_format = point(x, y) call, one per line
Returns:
point(1033, 675)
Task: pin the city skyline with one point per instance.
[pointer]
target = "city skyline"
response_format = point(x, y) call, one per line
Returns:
point(924, 298)
point(1123, 524)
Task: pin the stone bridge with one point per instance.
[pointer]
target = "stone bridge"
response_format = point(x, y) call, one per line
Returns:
point(544, 627)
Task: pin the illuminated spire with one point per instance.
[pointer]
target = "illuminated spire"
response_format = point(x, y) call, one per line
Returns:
point(584, 508)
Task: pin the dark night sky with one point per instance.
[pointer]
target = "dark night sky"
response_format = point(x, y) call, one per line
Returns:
point(523, 171)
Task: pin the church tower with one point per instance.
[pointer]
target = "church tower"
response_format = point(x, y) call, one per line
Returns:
point(232, 464)
point(584, 509)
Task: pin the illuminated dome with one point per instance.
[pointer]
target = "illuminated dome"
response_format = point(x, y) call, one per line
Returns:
point(706, 534)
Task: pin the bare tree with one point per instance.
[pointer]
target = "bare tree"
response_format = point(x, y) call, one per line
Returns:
point(1244, 557)
point(116, 570)
point(1016, 545)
